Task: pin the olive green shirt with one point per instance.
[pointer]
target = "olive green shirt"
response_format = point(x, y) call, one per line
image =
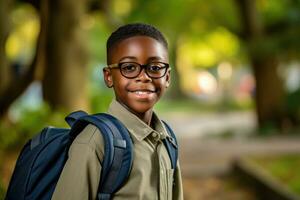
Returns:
point(151, 176)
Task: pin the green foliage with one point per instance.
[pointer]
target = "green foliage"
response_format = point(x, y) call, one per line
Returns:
point(9, 136)
point(281, 21)
point(278, 11)
point(99, 95)
point(274, 10)
point(283, 168)
point(209, 49)
point(293, 105)
point(269, 128)
point(31, 121)
point(20, 44)
point(98, 34)
point(100, 101)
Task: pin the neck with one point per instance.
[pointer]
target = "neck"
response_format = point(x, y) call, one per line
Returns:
point(145, 117)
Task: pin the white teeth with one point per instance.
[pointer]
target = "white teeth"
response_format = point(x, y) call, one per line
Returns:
point(142, 92)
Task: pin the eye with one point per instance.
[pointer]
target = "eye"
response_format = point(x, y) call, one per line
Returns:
point(129, 67)
point(155, 67)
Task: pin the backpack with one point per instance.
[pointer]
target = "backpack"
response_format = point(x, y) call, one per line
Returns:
point(42, 158)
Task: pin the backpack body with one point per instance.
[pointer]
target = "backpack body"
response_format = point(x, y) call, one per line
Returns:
point(39, 165)
point(42, 158)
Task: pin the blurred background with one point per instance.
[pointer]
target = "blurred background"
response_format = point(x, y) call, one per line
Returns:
point(235, 92)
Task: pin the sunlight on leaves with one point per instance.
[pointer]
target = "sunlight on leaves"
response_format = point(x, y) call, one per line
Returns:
point(122, 7)
point(209, 50)
point(21, 42)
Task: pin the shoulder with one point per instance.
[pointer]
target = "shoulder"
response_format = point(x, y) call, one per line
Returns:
point(90, 137)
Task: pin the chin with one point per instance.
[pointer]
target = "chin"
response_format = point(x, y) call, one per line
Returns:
point(141, 107)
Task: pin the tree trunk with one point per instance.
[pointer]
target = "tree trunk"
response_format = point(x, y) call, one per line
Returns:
point(4, 30)
point(65, 79)
point(106, 9)
point(269, 91)
point(175, 89)
point(269, 87)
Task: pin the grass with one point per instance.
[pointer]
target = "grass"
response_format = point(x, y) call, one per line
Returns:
point(284, 168)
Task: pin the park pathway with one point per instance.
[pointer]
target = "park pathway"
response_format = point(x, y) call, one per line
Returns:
point(206, 156)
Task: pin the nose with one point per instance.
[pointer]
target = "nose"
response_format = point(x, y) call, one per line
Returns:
point(143, 76)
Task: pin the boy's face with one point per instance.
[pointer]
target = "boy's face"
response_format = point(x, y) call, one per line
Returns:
point(141, 93)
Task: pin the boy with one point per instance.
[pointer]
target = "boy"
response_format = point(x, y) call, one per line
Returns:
point(138, 71)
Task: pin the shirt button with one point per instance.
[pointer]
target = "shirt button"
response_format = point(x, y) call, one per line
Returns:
point(154, 135)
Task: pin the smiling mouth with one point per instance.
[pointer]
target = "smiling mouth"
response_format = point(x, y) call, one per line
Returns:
point(142, 92)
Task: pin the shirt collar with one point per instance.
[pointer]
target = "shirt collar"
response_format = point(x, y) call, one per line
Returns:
point(139, 129)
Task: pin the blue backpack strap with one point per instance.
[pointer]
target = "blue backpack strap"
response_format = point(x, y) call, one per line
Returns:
point(121, 164)
point(72, 117)
point(117, 160)
point(171, 145)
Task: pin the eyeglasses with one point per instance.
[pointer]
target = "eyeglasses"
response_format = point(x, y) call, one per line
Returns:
point(131, 70)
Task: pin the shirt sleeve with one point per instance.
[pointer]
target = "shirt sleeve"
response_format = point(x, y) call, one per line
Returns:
point(81, 174)
point(178, 190)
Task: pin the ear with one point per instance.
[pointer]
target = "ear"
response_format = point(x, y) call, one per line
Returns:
point(168, 78)
point(107, 77)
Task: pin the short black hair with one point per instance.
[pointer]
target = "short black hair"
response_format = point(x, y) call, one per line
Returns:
point(131, 30)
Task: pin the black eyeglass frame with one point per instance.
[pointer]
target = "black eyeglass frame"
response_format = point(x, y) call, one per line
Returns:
point(118, 65)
